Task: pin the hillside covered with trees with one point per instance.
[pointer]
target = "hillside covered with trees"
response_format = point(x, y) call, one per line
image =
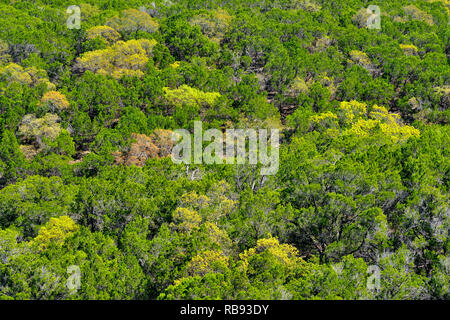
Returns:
point(93, 207)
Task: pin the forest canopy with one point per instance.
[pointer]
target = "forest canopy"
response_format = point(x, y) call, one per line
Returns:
point(88, 115)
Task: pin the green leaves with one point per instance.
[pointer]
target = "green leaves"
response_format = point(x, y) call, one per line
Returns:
point(357, 210)
point(32, 202)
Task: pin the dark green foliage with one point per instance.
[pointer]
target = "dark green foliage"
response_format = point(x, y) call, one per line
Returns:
point(92, 184)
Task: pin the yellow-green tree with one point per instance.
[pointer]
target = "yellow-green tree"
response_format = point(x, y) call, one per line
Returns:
point(206, 262)
point(186, 95)
point(55, 231)
point(122, 58)
point(355, 118)
point(409, 49)
point(104, 32)
point(34, 129)
point(31, 76)
point(55, 101)
point(286, 254)
point(185, 220)
point(361, 58)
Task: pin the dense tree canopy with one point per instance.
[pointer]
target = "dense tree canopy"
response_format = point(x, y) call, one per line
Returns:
point(87, 118)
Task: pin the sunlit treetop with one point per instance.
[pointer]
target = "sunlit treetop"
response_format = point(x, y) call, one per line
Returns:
point(107, 33)
point(132, 20)
point(31, 76)
point(185, 95)
point(361, 59)
point(55, 100)
point(409, 49)
point(351, 111)
point(285, 253)
point(34, 129)
point(324, 120)
point(355, 118)
point(207, 261)
point(55, 231)
point(185, 220)
point(122, 58)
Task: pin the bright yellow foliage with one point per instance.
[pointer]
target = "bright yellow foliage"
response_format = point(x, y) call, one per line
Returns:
point(185, 95)
point(55, 231)
point(55, 100)
point(349, 111)
point(175, 65)
point(324, 120)
point(218, 236)
point(396, 132)
point(204, 262)
point(360, 58)
point(355, 119)
point(409, 49)
point(212, 207)
point(122, 58)
point(389, 124)
point(382, 113)
point(14, 72)
point(286, 253)
point(194, 200)
point(31, 76)
point(35, 129)
point(185, 220)
point(104, 32)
